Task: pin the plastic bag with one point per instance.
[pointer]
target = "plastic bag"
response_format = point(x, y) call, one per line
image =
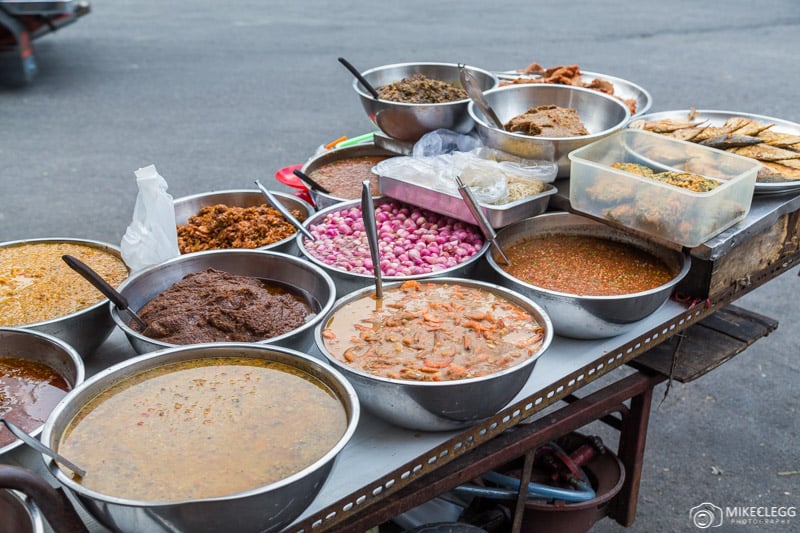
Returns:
point(152, 236)
point(444, 141)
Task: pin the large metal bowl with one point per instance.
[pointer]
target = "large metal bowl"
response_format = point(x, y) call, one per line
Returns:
point(347, 282)
point(284, 269)
point(267, 508)
point(589, 317)
point(409, 122)
point(188, 206)
point(600, 113)
point(44, 348)
point(323, 200)
point(440, 405)
point(86, 329)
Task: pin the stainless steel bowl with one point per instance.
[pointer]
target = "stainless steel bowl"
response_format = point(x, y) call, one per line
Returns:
point(409, 122)
point(323, 200)
point(18, 512)
point(86, 329)
point(600, 113)
point(347, 282)
point(188, 206)
point(267, 508)
point(440, 405)
point(589, 317)
point(44, 348)
point(284, 269)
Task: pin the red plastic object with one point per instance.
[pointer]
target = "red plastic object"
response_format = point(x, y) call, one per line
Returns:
point(286, 176)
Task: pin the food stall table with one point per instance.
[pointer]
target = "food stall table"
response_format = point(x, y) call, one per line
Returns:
point(382, 462)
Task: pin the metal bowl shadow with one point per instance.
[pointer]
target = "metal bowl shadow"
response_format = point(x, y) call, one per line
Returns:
point(287, 270)
point(408, 122)
point(85, 329)
point(440, 405)
point(267, 508)
point(43, 348)
point(347, 282)
point(589, 317)
point(323, 200)
point(600, 113)
point(188, 206)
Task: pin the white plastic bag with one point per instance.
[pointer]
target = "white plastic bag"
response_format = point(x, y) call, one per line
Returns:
point(152, 236)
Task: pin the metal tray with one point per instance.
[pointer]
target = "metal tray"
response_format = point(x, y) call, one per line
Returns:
point(717, 118)
point(453, 205)
point(624, 89)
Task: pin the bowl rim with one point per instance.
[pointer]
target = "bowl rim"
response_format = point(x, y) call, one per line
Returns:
point(508, 294)
point(686, 264)
point(71, 240)
point(324, 276)
point(74, 356)
point(108, 374)
point(366, 95)
point(379, 200)
point(480, 120)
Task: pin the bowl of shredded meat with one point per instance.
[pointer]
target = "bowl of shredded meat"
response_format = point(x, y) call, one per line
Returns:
point(416, 98)
point(238, 218)
point(547, 122)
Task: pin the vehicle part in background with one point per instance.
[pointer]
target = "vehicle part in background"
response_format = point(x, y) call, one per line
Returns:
point(21, 22)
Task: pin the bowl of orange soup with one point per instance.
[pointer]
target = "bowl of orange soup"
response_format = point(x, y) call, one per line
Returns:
point(206, 437)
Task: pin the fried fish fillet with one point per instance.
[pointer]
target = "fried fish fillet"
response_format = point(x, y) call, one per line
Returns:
point(765, 152)
point(782, 140)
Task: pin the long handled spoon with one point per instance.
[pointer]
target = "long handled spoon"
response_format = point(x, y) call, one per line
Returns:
point(103, 286)
point(480, 217)
point(305, 178)
point(354, 71)
point(371, 229)
point(475, 93)
point(285, 212)
point(42, 448)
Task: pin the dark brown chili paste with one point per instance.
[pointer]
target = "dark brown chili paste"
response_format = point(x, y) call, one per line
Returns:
point(215, 306)
point(586, 266)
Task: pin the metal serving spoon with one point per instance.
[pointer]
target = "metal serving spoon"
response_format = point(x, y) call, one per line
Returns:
point(371, 229)
point(42, 448)
point(103, 286)
point(285, 212)
point(470, 85)
point(480, 217)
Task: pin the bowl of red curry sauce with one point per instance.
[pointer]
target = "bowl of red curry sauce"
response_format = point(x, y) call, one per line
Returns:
point(342, 172)
point(435, 354)
point(595, 281)
point(36, 371)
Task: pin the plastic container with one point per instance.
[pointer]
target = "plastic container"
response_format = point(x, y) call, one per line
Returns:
point(665, 211)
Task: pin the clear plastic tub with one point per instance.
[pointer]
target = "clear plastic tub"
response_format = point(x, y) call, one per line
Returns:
point(666, 211)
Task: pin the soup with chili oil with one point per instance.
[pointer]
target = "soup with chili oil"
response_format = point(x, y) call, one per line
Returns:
point(585, 266)
point(427, 331)
point(29, 390)
point(203, 428)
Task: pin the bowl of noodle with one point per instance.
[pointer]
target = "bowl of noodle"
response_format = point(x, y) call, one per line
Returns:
point(507, 190)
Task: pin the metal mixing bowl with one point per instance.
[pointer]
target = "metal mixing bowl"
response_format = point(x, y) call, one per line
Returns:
point(267, 508)
point(44, 348)
point(86, 329)
point(440, 405)
point(188, 206)
point(347, 282)
point(323, 200)
point(409, 122)
point(284, 269)
point(600, 113)
point(588, 317)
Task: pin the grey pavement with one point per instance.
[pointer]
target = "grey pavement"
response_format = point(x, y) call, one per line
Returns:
point(217, 94)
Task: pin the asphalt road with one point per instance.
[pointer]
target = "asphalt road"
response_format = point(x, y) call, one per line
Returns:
point(217, 94)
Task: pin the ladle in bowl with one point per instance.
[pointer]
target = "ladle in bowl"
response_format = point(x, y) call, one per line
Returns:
point(41, 447)
point(371, 229)
point(103, 286)
point(480, 217)
point(305, 178)
point(285, 212)
point(475, 93)
point(354, 71)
